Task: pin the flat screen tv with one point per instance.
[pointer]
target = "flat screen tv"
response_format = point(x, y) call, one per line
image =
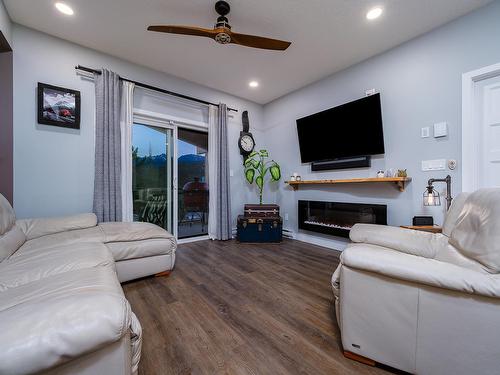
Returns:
point(349, 130)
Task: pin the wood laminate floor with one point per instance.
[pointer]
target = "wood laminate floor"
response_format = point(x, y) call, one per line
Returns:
point(231, 308)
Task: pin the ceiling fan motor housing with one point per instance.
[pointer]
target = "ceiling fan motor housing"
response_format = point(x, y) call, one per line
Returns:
point(222, 8)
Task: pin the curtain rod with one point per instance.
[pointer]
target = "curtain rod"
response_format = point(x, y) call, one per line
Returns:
point(149, 87)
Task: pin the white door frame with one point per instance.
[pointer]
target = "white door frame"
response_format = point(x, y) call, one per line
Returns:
point(171, 122)
point(471, 155)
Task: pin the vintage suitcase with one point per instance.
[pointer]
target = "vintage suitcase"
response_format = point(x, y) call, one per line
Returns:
point(259, 229)
point(262, 210)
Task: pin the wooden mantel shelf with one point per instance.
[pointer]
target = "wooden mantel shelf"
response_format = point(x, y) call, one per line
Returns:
point(399, 181)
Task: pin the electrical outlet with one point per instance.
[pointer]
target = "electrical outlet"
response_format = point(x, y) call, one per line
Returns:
point(286, 217)
point(231, 173)
point(434, 165)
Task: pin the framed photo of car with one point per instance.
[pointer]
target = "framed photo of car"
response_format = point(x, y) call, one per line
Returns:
point(58, 106)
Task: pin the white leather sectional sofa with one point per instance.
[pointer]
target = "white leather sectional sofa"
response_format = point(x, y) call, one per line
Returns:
point(426, 303)
point(62, 309)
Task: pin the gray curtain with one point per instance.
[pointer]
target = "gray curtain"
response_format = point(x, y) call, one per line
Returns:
point(107, 180)
point(223, 205)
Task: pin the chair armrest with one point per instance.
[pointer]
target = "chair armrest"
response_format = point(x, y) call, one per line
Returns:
point(34, 228)
point(408, 241)
point(420, 270)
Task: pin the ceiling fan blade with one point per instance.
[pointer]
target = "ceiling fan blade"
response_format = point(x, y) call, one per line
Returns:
point(184, 30)
point(259, 42)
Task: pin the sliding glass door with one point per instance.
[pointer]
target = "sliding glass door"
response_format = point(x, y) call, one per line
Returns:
point(192, 167)
point(152, 175)
point(170, 177)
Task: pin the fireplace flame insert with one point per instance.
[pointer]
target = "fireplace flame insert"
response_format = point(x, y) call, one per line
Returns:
point(337, 218)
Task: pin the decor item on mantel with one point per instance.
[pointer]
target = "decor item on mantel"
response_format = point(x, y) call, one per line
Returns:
point(256, 169)
point(402, 173)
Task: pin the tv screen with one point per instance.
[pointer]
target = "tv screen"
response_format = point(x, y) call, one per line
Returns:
point(351, 129)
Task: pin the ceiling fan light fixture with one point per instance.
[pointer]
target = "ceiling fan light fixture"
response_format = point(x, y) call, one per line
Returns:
point(374, 13)
point(64, 8)
point(253, 84)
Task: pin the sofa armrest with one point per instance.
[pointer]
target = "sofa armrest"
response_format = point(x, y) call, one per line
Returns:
point(34, 228)
point(420, 270)
point(412, 242)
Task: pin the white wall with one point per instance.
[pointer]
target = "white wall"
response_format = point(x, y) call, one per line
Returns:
point(420, 84)
point(5, 24)
point(54, 167)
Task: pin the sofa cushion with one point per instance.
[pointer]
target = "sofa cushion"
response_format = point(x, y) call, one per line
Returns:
point(142, 249)
point(136, 231)
point(7, 216)
point(407, 241)
point(94, 234)
point(417, 269)
point(10, 242)
point(34, 228)
point(11, 237)
point(453, 213)
point(477, 232)
point(60, 318)
point(34, 266)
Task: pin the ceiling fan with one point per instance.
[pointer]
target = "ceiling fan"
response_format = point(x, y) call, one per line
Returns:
point(222, 33)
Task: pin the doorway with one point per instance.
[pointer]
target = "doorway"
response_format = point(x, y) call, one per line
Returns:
point(481, 128)
point(170, 176)
point(192, 177)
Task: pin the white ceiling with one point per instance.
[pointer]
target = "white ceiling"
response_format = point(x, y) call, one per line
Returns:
point(326, 35)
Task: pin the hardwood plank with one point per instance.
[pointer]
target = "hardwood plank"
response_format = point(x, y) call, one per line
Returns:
point(242, 309)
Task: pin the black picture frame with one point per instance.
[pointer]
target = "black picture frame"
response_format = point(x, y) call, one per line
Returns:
point(58, 106)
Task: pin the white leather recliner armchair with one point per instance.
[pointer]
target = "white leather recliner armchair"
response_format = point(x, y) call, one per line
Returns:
point(425, 303)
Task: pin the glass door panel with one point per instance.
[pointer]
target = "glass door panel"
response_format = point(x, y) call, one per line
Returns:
point(152, 175)
point(192, 192)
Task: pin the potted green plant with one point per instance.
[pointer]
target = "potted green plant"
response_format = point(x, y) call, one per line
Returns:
point(256, 169)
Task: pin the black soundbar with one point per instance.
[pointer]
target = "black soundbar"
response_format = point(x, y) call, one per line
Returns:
point(342, 163)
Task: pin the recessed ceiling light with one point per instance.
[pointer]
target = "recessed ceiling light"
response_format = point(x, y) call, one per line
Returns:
point(253, 84)
point(374, 13)
point(64, 8)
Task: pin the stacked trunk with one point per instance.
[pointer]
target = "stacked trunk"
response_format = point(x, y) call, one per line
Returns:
point(260, 223)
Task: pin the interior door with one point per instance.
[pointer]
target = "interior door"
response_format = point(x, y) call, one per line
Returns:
point(488, 121)
point(153, 175)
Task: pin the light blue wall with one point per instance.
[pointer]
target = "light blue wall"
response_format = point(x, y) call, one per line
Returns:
point(54, 167)
point(5, 24)
point(420, 84)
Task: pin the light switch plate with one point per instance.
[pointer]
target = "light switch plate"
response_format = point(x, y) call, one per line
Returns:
point(440, 129)
point(434, 165)
point(425, 133)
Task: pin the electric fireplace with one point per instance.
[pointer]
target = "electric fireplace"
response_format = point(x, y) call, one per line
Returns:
point(337, 218)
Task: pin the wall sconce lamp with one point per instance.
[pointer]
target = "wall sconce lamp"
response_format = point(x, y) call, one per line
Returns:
point(431, 196)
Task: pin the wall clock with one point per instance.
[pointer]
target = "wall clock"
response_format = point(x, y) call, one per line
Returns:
point(246, 143)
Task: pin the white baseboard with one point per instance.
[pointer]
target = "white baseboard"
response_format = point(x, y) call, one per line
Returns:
point(192, 239)
point(335, 243)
